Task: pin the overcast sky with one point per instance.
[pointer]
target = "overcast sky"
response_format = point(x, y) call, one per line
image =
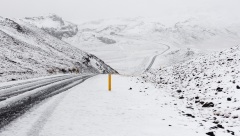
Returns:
point(84, 10)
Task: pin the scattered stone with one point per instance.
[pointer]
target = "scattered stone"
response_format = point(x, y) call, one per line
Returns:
point(179, 91)
point(220, 126)
point(229, 99)
point(210, 133)
point(216, 122)
point(208, 104)
point(219, 89)
point(181, 97)
point(231, 132)
point(189, 115)
point(197, 101)
point(238, 87)
point(130, 88)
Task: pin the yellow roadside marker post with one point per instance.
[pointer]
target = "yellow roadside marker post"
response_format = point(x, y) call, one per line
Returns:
point(109, 82)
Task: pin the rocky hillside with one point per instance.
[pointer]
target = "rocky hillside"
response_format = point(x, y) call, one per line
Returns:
point(206, 88)
point(54, 25)
point(27, 51)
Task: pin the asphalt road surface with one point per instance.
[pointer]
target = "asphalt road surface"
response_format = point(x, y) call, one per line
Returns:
point(16, 99)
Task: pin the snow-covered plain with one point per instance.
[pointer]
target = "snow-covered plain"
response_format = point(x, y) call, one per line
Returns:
point(131, 108)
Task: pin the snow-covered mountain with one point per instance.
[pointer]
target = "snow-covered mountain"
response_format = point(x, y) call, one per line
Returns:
point(54, 25)
point(206, 88)
point(130, 43)
point(192, 32)
point(189, 32)
point(27, 51)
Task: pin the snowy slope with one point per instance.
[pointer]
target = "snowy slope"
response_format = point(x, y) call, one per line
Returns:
point(27, 51)
point(207, 88)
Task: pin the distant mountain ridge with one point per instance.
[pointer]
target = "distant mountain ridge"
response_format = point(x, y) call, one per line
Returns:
point(117, 40)
point(54, 25)
point(188, 32)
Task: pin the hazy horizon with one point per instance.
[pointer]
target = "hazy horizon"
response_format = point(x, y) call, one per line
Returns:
point(79, 11)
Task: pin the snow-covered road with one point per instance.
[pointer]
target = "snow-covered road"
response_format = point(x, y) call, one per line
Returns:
point(22, 101)
point(130, 109)
point(154, 58)
point(16, 99)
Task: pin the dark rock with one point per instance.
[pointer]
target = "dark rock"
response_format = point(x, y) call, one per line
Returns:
point(181, 97)
point(231, 132)
point(179, 91)
point(229, 99)
point(215, 122)
point(238, 87)
point(208, 104)
point(197, 101)
point(210, 133)
point(220, 126)
point(219, 89)
point(189, 115)
point(130, 88)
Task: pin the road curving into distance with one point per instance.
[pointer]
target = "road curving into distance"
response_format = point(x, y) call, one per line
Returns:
point(154, 58)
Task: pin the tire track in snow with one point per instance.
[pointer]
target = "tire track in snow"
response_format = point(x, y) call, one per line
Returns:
point(27, 82)
point(39, 124)
point(16, 90)
point(16, 106)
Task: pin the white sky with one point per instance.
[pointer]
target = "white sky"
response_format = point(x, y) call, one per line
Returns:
point(79, 11)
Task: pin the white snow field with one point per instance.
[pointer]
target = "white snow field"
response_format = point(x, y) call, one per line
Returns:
point(90, 110)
